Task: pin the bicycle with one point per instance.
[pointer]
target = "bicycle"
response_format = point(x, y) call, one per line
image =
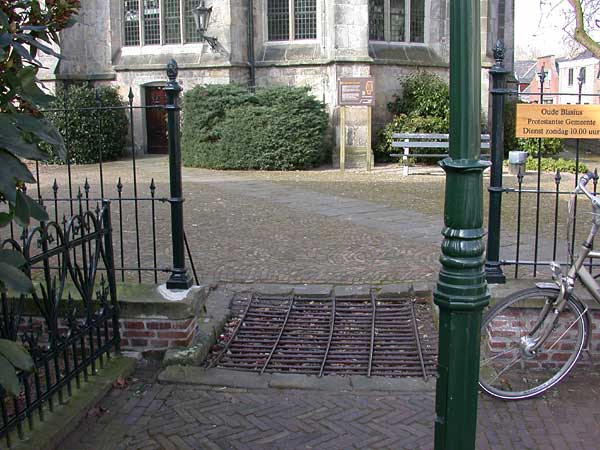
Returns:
point(531, 339)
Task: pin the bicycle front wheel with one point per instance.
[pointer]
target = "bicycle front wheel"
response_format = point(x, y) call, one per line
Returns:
point(510, 367)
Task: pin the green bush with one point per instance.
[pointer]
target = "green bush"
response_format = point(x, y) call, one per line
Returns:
point(81, 130)
point(550, 146)
point(423, 94)
point(552, 165)
point(423, 108)
point(277, 128)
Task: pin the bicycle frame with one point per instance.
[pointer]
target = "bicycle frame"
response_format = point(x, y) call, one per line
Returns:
point(566, 284)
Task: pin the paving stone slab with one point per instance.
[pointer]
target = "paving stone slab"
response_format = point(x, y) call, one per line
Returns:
point(352, 291)
point(313, 290)
point(312, 382)
point(177, 374)
point(375, 383)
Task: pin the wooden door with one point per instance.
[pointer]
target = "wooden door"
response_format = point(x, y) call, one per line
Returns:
point(156, 120)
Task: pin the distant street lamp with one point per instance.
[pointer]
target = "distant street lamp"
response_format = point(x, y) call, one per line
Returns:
point(202, 19)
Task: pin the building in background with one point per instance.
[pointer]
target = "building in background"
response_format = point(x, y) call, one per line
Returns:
point(127, 43)
point(586, 67)
point(524, 73)
point(532, 93)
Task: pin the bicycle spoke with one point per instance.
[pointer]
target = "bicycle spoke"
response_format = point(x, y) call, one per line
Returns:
point(567, 330)
point(510, 364)
point(485, 361)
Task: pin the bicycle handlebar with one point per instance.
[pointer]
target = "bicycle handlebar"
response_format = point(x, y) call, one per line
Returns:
point(583, 181)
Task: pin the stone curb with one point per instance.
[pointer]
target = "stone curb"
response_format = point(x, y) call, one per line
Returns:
point(218, 378)
point(49, 434)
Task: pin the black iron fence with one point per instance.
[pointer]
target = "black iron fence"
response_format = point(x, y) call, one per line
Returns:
point(147, 213)
point(70, 323)
point(528, 212)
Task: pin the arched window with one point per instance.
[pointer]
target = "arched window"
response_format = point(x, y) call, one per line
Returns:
point(291, 19)
point(397, 20)
point(155, 22)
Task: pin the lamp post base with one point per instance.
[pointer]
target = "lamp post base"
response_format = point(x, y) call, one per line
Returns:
point(179, 280)
point(493, 273)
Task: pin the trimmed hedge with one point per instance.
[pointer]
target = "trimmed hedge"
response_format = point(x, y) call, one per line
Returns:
point(80, 130)
point(277, 128)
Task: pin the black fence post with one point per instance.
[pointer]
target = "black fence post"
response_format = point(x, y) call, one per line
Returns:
point(179, 278)
point(493, 267)
point(110, 271)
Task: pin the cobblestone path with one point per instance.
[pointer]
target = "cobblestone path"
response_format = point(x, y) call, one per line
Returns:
point(148, 415)
point(243, 229)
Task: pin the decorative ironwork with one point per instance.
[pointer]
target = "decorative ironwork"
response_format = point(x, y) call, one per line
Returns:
point(172, 70)
point(536, 249)
point(499, 52)
point(139, 209)
point(70, 322)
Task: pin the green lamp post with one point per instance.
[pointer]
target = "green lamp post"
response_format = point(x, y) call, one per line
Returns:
point(461, 292)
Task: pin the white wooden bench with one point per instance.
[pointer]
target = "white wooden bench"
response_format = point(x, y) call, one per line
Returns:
point(407, 141)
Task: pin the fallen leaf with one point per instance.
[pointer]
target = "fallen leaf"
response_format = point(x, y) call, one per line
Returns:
point(120, 383)
point(96, 411)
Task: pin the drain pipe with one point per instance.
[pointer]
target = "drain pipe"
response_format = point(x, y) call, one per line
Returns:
point(251, 62)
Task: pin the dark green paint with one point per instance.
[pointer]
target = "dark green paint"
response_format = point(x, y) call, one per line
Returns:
point(493, 268)
point(461, 292)
point(179, 278)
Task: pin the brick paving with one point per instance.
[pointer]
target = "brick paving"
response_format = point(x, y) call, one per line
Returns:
point(245, 227)
point(148, 415)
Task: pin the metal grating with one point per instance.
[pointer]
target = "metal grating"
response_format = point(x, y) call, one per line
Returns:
point(327, 336)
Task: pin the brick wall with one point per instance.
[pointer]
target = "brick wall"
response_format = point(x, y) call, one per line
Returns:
point(508, 327)
point(156, 334)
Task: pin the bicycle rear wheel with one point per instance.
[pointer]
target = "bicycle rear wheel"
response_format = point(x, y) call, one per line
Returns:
point(507, 368)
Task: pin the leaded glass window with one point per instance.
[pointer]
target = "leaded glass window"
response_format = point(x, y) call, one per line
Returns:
point(291, 19)
point(417, 21)
point(132, 22)
point(305, 14)
point(156, 22)
point(397, 20)
point(376, 20)
point(278, 17)
point(151, 22)
point(172, 21)
point(191, 33)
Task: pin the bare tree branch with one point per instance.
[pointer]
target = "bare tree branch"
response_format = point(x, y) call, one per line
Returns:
point(580, 34)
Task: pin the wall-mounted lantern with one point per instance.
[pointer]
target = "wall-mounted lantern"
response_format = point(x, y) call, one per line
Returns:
point(202, 18)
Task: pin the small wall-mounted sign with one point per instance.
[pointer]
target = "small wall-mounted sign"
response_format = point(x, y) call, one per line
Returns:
point(359, 91)
point(558, 121)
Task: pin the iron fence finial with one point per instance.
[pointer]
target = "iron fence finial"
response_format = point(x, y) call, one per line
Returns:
point(172, 70)
point(499, 52)
point(542, 74)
